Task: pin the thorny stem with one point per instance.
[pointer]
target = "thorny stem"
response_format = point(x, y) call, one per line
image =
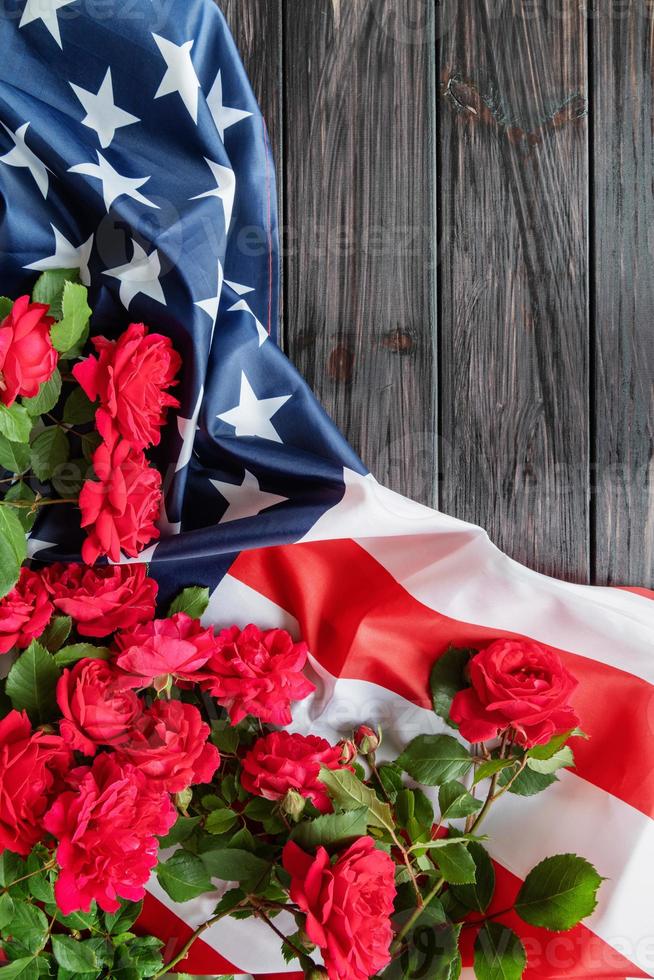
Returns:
point(184, 951)
point(46, 867)
point(33, 504)
point(407, 861)
point(285, 939)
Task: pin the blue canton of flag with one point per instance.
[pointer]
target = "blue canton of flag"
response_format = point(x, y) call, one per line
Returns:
point(132, 149)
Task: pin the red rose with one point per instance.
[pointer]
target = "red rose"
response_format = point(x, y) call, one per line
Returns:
point(107, 825)
point(170, 746)
point(122, 505)
point(282, 761)
point(178, 645)
point(255, 672)
point(32, 765)
point(130, 378)
point(348, 905)
point(27, 357)
point(102, 599)
point(517, 685)
point(96, 710)
point(24, 612)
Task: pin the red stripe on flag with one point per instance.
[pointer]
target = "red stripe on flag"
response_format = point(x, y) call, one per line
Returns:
point(362, 624)
point(156, 919)
point(646, 593)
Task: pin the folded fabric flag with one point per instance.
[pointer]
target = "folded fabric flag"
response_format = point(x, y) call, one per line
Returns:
point(132, 149)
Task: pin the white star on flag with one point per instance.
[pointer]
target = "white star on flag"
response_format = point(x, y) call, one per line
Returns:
point(180, 74)
point(245, 499)
point(223, 115)
point(225, 189)
point(114, 185)
point(187, 429)
point(251, 417)
point(102, 114)
point(21, 156)
point(66, 256)
point(45, 10)
point(238, 288)
point(35, 544)
point(261, 330)
point(143, 557)
point(141, 275)
point(210, 305)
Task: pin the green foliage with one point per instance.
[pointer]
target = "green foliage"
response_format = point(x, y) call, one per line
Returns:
point(430, 949)
point(233, 864)
point(57, 633)
point(414, 813)
point(13, 549)
point(78, 957)
point(435, 759)
point(6, 909)
point(562, 759)
point(477, 896)
point(489, 768)
point(6, 306)
point(559, 892)
point(455, 864)
point(73, 327)
point(192, 601)
point(80, 651)
point(124, 918)
point(32, 681)
point(528, 783)
point(28, 927)
point(220, 821)
point(24, 968)
point(25, 516)
point(184, 876)
point(14, 456)
point(180, 831)
point(15, 422)
point(448, 676)
point(455, 801)
point(499, 954)
point(349, 793)
point(49, 288)
point(47, 396)
point(78, 408)
point(50, 449)
point(391, 779)
point(331, 829)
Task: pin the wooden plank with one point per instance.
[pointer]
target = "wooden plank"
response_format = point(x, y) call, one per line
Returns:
point(623, 65)
point(257, 29)
point(514, 333)
point(360, 230)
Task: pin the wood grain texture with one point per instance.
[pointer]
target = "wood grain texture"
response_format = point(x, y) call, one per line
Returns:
point(623, 160)
point(257, 29)
point(514, 268)
point(359, 79)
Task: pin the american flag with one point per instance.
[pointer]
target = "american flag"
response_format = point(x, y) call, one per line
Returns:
point(132, 149)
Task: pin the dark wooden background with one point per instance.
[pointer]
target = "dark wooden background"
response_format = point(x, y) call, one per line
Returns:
point(466, 191)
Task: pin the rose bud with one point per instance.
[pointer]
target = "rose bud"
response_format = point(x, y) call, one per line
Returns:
point(349, 751)
point(293, 804)
point(367, 739)
point(317, 973)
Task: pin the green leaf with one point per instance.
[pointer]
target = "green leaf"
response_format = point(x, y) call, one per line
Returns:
point(15, 422)
point(40, 885)
point(233, 864)
point(552, 747)
point(455, 801)
point(332, 828)
point(57, 633)
point(558, 893)
point(80, 651)
point(448, 676)
point(78, 408)
point(124, 918)
point(349, 793)
point(146, 955)
point(6, 910)
point(477, 896)
point(46, 397)
point(49, 288)
point(14, 456)
point(499, 954)
point(391, 779)
point(220, 821)
point(25, 968)
point(28, 926)
point(77, 920)
point(183, 876)
point(489, 768)
point(6, 306)
point(180, 831)
point(455, 864)
point(25, 516)
point(32, 681)
point(560, 760)
point(226, 737)
point(75, 318)
point(528, 783)
point(50, 449)
point(74, 955)
point(13, 549)
point(192, 601)
point(430, 947)
point(435, 759)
